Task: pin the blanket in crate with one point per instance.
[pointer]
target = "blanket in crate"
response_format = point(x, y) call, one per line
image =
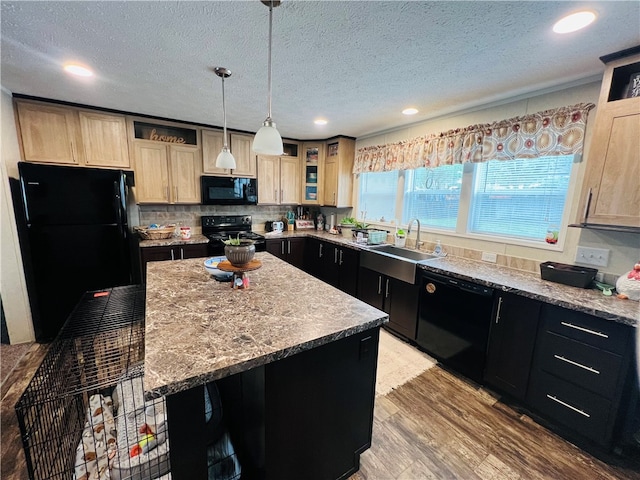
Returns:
point(125, 436)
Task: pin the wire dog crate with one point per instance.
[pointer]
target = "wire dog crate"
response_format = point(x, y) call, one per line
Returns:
point(83, 416)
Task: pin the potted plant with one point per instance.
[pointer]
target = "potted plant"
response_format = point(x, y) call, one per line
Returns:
point(346, 226)
point(400, 237)
point(238, 251)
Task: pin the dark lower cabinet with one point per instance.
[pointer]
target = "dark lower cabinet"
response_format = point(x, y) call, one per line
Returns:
point(580, 370)
point(306, 416)
point(511, 343)
point(397, 298)
point(291, 250)
point(171, 252)
point(333, 264)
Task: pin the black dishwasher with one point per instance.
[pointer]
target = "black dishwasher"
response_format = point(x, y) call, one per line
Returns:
point(453, 322)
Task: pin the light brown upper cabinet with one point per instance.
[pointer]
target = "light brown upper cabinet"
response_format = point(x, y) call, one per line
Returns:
point(48, 133)
point(239, 145)
point(63, 135)
point(166, 173)
point(104, 139)
point(312, 172)
point(610, 196)
point(338, 172)
point(279, 179)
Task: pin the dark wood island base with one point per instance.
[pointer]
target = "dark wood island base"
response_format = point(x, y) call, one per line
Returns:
point(305, 416)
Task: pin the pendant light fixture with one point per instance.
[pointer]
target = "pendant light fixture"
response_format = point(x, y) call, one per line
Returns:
point(225, 158)
point(268, 140)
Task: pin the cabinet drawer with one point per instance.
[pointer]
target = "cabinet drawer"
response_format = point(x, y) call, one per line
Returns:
point(604, 334)
point(594, 369)
point(582, 411)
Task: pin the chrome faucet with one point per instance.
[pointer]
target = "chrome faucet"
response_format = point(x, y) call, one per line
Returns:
point(418, 243)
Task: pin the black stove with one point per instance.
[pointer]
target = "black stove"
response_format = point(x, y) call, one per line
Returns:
point(220, 227)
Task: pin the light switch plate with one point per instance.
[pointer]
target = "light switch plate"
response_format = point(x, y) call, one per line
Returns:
point(489, 257)
point(598, 257)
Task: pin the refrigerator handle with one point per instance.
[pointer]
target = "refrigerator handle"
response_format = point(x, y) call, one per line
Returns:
point(117, 198)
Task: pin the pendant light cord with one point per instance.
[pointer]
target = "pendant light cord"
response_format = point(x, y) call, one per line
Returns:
point(224, 115)
point(269, 74)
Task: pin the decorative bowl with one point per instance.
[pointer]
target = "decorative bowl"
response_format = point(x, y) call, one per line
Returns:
point(240, 255)
point(211, 265)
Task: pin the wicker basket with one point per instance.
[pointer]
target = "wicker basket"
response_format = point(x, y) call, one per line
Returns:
point(155, 233)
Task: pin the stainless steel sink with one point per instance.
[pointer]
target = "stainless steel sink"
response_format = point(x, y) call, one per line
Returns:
point(416, 255)
point(394, 261)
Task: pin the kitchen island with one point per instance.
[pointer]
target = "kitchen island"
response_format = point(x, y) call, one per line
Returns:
point(294, 360)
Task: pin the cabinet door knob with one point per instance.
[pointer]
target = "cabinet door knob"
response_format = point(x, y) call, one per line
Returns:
point(386, 293)
point(282, 247)
point(289, 247)
point(320, 251)
point(181, 253)
point(379, 284)
point(173, 257)
point(340, 262)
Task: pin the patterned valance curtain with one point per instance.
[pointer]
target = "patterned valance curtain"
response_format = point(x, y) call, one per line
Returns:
point(553, 132)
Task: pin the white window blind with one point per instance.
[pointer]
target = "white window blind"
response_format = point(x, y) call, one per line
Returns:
point(433, 196)
point(519, 198)
point(378, 194)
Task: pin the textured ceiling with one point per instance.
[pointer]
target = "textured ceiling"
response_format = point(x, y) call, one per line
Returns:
point(355, 63)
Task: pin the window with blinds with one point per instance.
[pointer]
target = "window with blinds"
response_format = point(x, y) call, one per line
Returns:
point(515, 199)
point(519, 198)
point(433, 196)
point(378, 195)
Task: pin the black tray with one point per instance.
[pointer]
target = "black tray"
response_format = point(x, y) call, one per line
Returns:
point(568, 274)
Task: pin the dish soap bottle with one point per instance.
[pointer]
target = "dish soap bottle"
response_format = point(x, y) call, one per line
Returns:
point(438, 248)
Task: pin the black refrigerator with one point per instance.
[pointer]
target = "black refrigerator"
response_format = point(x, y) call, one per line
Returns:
point(74, 235)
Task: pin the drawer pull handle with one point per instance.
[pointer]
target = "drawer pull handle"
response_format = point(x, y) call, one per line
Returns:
point(582, 329)
point(592, 370)
point(551, 397)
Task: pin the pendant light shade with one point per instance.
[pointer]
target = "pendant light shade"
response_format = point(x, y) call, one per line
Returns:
point(268, 140)
point(225, 158)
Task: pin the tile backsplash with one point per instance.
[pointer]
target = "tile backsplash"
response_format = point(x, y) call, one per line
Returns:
point(189, 215)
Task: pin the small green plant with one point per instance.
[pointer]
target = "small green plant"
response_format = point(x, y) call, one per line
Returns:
point(232, 241)
point(400, 232)
point(348, 221)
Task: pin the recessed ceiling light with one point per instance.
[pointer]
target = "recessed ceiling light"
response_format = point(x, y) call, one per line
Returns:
point(410, 111)
point(78, 70)
point(320, 121)
point(574, 22)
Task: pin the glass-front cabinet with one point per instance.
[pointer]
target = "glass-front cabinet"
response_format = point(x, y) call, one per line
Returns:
point(312, 165)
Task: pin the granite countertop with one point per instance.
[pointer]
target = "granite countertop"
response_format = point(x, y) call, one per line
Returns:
point(528, 284)
point(165, 242)
point(198, 329)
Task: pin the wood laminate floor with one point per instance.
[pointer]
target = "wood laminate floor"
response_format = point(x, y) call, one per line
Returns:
point(439, 426)
point(436, 426)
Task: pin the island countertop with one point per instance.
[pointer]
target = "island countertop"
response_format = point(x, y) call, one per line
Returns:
point(198, 330)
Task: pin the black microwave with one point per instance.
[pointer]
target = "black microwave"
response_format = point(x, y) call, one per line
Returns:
point(229, 190)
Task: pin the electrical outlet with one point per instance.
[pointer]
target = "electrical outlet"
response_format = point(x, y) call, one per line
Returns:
point(598, 257)
point(489, 257)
